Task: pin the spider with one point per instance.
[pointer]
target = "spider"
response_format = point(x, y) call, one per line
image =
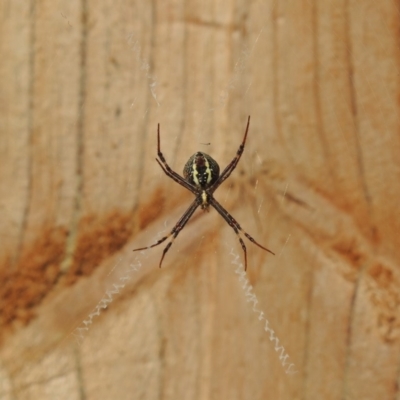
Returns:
point(202, 178)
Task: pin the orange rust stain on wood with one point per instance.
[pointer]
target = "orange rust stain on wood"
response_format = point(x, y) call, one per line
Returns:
point(354, 253)
point(98, 239)
point(383, 288)
point(152, 210)
point(38, 269)
point(32, 277)
point(381, 274)
point(385, 295)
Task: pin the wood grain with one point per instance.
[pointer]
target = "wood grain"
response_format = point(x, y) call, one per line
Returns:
point(83, 86)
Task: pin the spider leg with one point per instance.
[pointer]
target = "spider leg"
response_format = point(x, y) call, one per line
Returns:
point(168, 170)
point(176, 177)
point(175, 230)
point(236, 227)
point(232, 165)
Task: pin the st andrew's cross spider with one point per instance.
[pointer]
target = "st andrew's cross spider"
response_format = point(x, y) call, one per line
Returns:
point(202, 178)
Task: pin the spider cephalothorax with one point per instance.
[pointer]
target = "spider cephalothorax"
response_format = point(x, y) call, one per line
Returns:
point(202, 178)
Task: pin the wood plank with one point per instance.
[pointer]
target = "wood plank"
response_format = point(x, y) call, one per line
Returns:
point(83, 86)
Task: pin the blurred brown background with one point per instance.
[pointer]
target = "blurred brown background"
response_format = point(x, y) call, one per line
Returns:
point(83, 86)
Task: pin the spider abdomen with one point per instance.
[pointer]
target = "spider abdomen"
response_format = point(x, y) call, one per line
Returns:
point(201, 170)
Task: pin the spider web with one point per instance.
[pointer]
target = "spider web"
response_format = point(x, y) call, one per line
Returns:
point(125, 269)
point(260, 205)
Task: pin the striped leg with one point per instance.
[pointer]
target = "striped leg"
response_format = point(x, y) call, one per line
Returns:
point(232, 165)
point(168, 170)
point(175, 230)
point(236, 227)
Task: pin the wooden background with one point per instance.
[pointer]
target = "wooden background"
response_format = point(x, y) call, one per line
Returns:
point(84, 84)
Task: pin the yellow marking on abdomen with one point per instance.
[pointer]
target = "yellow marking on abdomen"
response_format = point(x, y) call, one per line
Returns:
point(204, 197)
point(208, 171)
point(196, 172)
